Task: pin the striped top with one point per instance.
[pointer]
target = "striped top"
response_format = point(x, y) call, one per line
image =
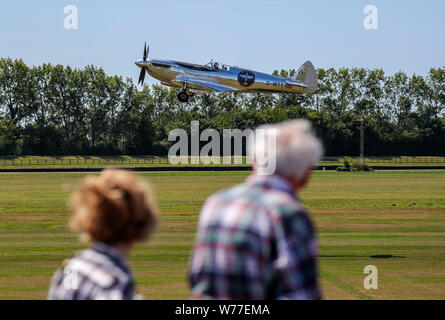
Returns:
point(97, 273)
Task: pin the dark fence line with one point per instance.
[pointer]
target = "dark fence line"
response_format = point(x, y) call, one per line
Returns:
point(193, 169)
point(389, 160)
point(83, 161)
point(163, 160)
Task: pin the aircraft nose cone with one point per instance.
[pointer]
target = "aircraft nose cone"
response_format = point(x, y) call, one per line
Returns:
point(141, 63)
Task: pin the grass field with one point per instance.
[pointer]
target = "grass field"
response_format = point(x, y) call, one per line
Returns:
point(393, 220)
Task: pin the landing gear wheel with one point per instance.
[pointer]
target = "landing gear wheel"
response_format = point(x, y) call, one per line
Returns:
point(183, 97)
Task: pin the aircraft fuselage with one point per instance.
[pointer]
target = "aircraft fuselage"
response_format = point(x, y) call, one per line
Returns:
point(171, 73)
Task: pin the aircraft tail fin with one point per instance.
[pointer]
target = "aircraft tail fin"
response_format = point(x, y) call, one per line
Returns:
point(307, 75)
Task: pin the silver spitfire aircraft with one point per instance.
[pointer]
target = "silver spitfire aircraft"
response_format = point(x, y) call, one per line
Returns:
point(214, 76)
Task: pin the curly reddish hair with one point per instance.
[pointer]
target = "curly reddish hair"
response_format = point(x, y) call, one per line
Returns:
point(114, 207)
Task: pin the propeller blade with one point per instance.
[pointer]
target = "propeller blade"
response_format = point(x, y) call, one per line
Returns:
point(146, 51)
point(142, 76)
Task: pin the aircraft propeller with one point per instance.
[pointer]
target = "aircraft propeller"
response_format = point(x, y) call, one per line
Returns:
point(142, 75)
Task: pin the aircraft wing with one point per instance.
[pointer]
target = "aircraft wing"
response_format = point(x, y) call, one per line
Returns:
point(200, 84)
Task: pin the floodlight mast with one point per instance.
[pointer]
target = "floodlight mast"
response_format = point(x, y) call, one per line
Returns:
point(362, 141)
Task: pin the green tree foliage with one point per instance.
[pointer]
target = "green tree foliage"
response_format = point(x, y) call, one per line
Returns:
point(57, 110)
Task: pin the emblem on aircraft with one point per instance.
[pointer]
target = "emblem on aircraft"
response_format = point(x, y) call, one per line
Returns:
point(218, 77)
point(246, 78)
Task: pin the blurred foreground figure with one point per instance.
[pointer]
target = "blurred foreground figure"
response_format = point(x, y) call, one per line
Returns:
point(255, 240)
point(113, 211)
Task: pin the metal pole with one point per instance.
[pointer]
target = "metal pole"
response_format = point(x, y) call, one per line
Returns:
point(362, 142)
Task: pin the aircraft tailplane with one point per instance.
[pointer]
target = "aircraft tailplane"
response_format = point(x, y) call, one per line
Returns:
point(308, 75)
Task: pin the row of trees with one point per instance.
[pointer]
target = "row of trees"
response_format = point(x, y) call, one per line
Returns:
point(57, 110)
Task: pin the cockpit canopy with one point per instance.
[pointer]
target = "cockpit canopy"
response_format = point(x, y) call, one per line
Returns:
point(217, 66)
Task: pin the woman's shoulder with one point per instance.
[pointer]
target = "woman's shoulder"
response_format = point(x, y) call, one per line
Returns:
point(90, 271)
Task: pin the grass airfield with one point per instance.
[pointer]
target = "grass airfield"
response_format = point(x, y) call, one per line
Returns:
point(393, 220)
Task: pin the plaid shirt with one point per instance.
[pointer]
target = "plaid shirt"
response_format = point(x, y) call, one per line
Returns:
point(97, 273)
point(255, 241)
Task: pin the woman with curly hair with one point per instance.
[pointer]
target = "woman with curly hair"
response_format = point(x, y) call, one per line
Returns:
point(113, 212)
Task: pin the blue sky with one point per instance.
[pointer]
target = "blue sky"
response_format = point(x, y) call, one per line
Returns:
point(259, 34)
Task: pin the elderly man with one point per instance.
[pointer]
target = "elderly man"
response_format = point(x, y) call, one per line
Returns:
point(255, 240)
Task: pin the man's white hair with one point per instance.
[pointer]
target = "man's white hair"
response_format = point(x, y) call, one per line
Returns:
point(297, 149)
